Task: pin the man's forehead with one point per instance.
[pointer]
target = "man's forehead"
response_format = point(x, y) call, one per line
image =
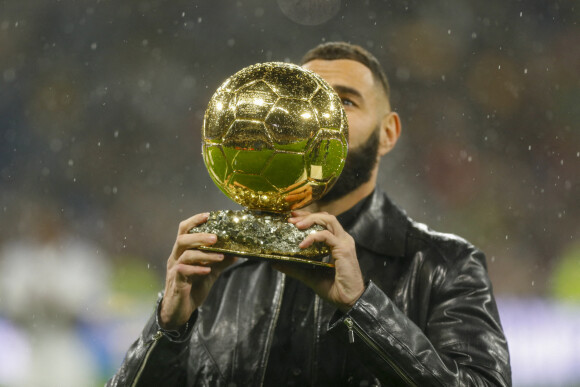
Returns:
point(342, 71)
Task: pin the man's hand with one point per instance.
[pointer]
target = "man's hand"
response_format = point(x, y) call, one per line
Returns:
point(190, 273)
point(344, 286)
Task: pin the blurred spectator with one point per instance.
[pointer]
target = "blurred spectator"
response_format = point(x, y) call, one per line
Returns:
point(50, 283)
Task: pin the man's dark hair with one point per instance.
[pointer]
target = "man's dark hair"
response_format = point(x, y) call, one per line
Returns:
point(343, 50)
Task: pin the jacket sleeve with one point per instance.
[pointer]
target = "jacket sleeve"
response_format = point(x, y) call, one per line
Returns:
point(462, 343)
point(157, 358)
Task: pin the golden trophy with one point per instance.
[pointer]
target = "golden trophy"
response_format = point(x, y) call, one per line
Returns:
point(275, 139)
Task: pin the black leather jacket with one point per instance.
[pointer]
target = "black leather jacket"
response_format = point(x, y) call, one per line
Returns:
point(427, 318)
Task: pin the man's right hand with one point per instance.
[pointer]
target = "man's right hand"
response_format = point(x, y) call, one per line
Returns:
point(190, 273)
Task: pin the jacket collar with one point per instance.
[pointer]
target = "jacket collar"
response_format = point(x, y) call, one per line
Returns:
point(380, 226)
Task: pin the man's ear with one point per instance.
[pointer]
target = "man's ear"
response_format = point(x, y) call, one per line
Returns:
point(390, 132)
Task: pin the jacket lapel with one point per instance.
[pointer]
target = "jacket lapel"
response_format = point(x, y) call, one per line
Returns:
point(381, 226)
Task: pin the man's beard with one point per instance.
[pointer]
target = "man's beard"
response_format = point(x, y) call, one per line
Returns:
point(358, 168)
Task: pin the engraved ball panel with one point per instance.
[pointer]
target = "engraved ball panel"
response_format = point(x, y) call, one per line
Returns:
point(246, 76)
point(217, 165)
point(344, 127)
point(293, 147)
point(248, 135)
point(291, 121)
point(254, 102)
point(327, 155)
point(290, 80)
point(255, 192)
point(256, 183)
point(248, 161)
point(328, 109)
point(285, 170)
point(219, 116)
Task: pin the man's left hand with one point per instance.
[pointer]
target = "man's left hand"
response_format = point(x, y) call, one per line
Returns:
point(345, 284)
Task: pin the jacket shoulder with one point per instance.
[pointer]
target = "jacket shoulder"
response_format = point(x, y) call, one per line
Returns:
point(447, 252)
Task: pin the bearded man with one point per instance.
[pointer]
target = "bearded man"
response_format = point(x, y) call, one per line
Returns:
point(405, 305)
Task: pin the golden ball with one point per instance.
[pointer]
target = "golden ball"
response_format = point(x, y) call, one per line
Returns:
point(275, 137)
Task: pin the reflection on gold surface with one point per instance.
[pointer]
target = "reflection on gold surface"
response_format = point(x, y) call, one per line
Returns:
point(274, 137)
point(298, 197)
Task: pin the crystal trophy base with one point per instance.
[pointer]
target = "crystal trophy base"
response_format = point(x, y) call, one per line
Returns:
point(264, 235)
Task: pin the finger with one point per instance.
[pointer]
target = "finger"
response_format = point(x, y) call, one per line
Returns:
point(323, 219)
point(197, 257)
point(191, 222)
point(296, 213)
point(187, 272)
point(186, 242)
point(302, 203)
point(324, 236)
point(293, 197)
point(299, 204)
point(195, 240)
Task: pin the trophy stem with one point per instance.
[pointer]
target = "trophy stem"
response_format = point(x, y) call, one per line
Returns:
point(258, 234)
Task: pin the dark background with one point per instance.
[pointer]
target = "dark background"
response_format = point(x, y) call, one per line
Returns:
point(101, 104)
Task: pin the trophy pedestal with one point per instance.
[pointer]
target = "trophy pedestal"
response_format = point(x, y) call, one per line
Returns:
point(264, 235)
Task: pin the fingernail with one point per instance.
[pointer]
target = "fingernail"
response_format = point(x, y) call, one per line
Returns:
point(212, 238)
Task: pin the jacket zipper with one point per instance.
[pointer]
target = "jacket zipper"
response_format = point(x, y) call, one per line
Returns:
point(353, 328)
point(268, 345)
point(156, 338)
point(317, 317)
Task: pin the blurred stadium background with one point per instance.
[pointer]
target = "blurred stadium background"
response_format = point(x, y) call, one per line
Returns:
point(101, 104)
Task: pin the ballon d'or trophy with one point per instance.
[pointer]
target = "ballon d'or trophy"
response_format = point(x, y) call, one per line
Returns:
point(275, 139)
